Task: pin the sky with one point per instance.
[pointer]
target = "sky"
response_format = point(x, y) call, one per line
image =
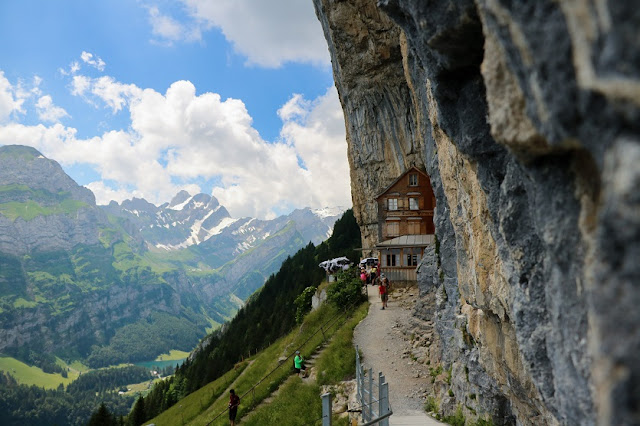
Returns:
point(144, 98)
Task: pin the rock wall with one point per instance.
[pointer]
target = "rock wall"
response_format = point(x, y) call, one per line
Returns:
point(525, 116)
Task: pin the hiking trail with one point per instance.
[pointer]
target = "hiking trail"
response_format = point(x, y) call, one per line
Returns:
point(384, 339)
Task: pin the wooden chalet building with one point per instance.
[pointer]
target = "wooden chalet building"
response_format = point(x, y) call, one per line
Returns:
point(405, 224)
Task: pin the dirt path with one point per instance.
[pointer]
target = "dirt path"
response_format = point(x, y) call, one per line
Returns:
point(385, 346)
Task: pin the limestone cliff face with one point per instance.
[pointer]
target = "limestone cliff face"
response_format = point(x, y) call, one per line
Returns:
point(525, 115)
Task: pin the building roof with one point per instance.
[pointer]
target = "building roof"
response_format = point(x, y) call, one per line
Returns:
point(408, 241)
point(410, 169)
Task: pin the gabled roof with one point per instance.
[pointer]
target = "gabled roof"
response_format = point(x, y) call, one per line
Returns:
point(409, 170)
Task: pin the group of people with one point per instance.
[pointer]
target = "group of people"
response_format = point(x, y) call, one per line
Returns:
point(369, 276)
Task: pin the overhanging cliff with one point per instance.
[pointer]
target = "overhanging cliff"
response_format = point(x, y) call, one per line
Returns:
point(526, 118)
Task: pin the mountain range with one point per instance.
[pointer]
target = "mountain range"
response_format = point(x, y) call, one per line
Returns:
point(126, 282)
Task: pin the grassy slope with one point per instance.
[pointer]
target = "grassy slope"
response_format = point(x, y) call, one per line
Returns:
point(337, 360)
point(29, 375)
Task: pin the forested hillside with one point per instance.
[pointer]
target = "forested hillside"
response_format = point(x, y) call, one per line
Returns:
point(268, 315)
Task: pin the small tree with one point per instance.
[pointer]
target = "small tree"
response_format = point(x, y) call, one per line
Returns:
point(102, 417)
point(346, 291)
point(137, 415)
point(303, 303)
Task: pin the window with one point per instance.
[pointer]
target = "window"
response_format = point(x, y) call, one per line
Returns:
point(413, 204)
point(393, 203)
point(412, 256)
point(413, 179)
point(393, 228)
point(413, 227)
point(391, 257)
point(391, 260)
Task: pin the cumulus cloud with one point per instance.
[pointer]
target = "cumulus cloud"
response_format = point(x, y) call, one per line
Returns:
point(178, 139)
point(7, 102)
point(260, 30)
point(47, 111)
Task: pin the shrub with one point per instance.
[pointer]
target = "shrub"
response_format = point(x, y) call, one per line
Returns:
point(431, 406)
point(457, 419)
point(346, 291)
point(303, 303)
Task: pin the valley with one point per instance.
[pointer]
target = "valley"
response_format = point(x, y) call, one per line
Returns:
point(125, 283)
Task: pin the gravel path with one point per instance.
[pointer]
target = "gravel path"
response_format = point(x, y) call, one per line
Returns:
point(382, 338)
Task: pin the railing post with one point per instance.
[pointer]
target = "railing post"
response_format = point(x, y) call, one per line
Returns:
point(326, 409)
point(381, 379)
point(370, 406)
point(384, 401)
point(358, 390)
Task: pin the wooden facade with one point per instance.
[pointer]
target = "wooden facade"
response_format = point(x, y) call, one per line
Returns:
point(405, 224)
point(406, 206)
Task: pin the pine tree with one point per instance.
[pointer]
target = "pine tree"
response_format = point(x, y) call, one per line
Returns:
point(102, 417)
point(138, 416)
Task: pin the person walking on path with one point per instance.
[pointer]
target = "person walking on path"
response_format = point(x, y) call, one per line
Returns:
point(373, 274)
point(385, 281)
point(234, 401)
point(382, 289)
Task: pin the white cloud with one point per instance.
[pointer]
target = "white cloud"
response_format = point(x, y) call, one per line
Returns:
point(79, 85)
point(114, 94)
point(269, 33)
point(104, 192)
point(7, 103)
point(13, 97)
point(179, 138)
point(89, 59)
point(169, 29)
point(47, 111)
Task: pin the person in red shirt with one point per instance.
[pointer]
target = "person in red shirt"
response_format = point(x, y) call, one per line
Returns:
point(234, 401)
point(382, 288)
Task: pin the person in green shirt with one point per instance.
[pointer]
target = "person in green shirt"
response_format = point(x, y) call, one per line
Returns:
point(298, 364)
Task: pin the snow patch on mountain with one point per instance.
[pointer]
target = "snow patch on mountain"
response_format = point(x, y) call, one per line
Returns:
point(181, 205)
point(245, 228)
point(329, 212)
point(224, 223)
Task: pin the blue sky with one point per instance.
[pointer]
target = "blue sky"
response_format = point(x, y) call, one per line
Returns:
point(144, 98)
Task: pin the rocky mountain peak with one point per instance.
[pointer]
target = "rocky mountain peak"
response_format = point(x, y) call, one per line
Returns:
point(26, 166)
point(179, 198)
point(41, 207)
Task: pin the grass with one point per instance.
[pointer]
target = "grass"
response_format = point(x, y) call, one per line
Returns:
point(296, 404)
point(173, 355)
point(457, 419)
point(22, 303)
point(337, 363)
point(431, 405)
point(192, 405)
point(29, 375)
point(307, 395)
point(30, 210)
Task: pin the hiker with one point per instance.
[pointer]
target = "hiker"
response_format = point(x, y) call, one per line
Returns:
point(373, 273)
point(386, 283)
point(298, 364)
point(382, 288)
point(234, 401)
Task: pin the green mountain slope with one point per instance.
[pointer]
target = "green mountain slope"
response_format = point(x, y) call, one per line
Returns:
point(268, 315)
point(81, 283)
